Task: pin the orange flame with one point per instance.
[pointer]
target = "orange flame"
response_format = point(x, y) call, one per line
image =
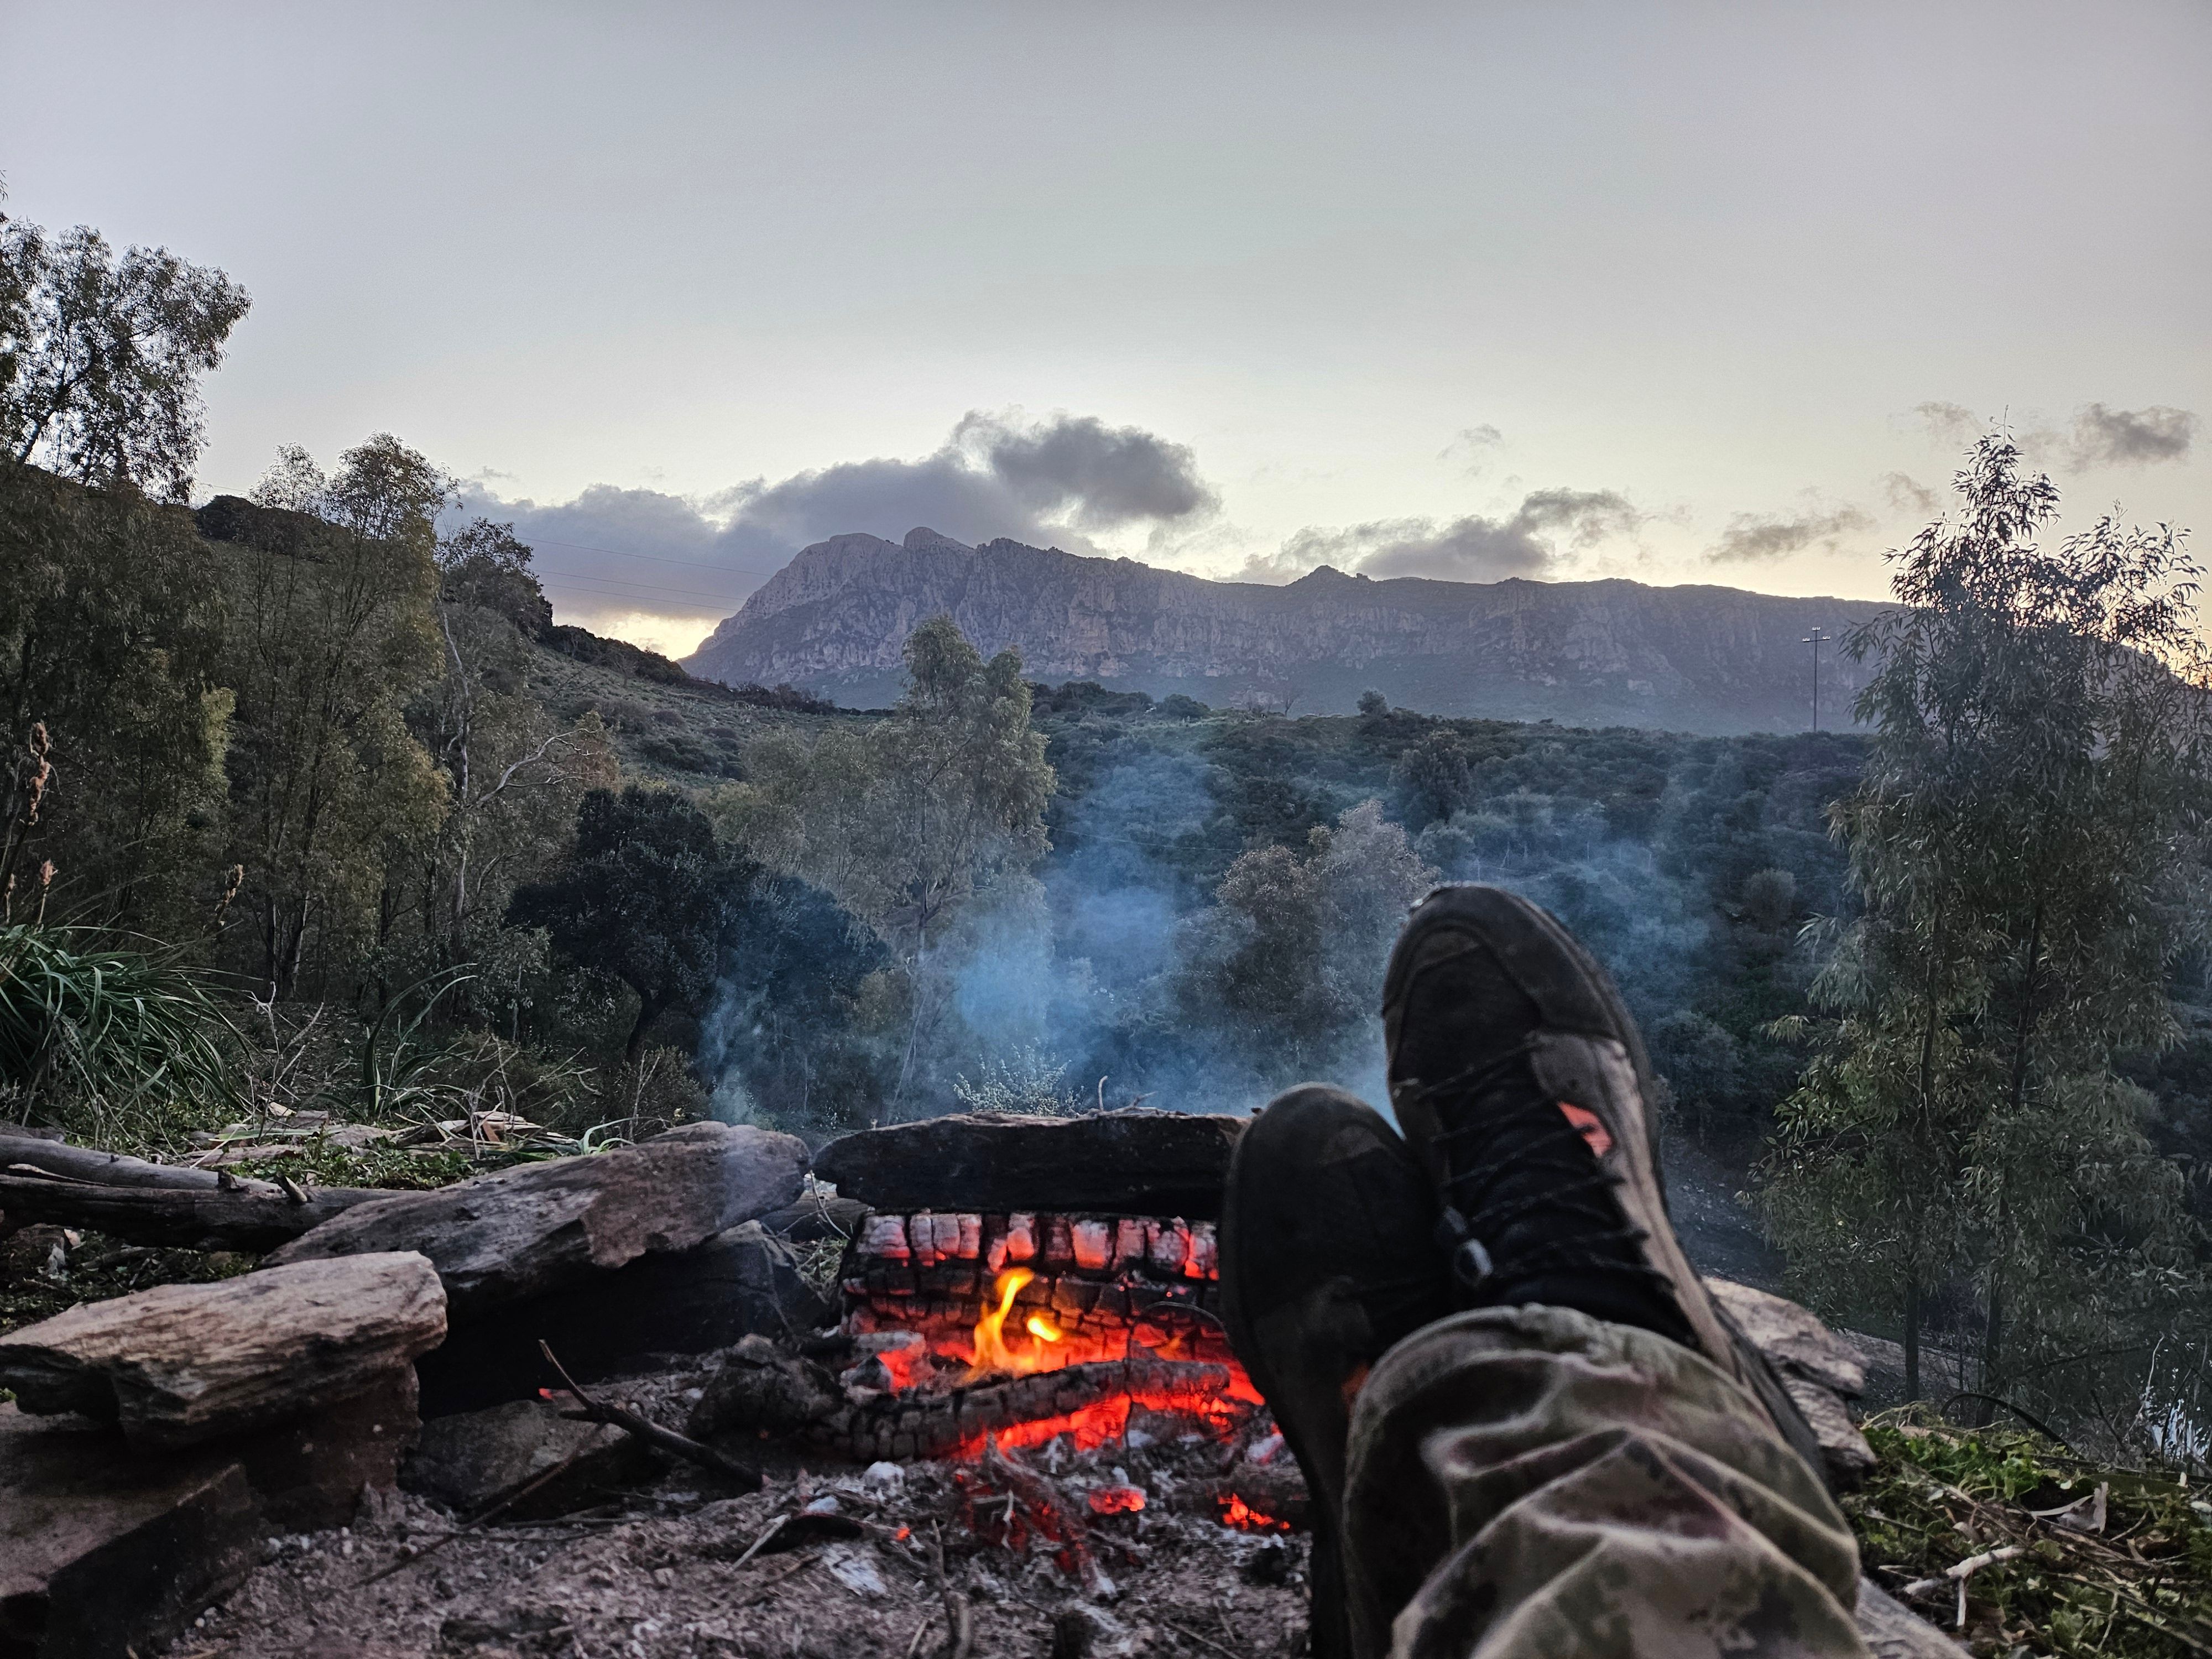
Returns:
point(990, 1353)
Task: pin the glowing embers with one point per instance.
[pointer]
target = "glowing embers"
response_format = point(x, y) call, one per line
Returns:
point(964, 1309)
point(1236, 1512)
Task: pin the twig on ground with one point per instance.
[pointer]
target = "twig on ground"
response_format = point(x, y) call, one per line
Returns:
point(760, 1542)
point(681, 1445)
point(959, 1628)
point(468, 1526)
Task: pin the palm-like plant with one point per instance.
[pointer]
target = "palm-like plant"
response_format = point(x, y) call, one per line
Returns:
point(128, 1039)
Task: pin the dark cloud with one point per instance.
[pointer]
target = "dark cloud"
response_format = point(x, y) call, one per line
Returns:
point(1952, 425)
point(2129, 437)
point(1525, 543)
point(1751, 536)
point(1096, 475)
point(2100, 435)
point(1907, 495)
point(1043, 483)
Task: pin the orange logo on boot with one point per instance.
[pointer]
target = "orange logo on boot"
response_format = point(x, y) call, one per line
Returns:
point(1587, 1125)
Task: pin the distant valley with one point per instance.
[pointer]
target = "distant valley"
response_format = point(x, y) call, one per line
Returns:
point(1694, 658)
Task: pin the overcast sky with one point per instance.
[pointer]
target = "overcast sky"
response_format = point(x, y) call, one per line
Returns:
point(1682, 293)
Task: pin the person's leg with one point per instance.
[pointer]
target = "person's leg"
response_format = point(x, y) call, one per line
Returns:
point(1534, 1481)
point(1328, 1257)
point(1585, 1459)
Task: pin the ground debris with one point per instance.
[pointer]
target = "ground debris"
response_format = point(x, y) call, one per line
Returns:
point(2006, 1541)
point(841, 1562)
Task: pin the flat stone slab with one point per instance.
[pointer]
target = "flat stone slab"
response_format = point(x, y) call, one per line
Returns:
point(182, 1364)
point(500, 1238)
point(1126, 1162)
point(104, 1548)
point(690, 1301)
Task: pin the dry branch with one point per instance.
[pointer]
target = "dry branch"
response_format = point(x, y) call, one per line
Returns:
point(681, 1445)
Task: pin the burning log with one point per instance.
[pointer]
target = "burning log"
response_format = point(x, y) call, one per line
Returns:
point(1021, 1410)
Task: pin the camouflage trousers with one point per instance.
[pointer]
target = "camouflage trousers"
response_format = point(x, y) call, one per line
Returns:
point(1534, 1482)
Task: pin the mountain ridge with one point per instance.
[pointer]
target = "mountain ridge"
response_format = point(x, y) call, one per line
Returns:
point(1605, 652)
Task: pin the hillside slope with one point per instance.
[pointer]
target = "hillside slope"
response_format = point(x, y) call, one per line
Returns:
point(1713, 660)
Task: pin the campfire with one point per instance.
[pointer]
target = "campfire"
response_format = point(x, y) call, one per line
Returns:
point(1023, 1327)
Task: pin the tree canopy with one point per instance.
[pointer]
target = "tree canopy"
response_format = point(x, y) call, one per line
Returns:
point(2024, 845)
point(101, 355)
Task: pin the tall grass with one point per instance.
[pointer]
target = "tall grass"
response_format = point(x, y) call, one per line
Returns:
point(122, 1046)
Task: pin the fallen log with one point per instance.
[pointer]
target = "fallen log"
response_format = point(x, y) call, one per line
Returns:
point(209, 1217)
point(180, 1365)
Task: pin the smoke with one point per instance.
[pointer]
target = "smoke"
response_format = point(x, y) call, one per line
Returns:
point(1526, 542)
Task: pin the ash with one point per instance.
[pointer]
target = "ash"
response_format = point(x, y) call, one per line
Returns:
point(1040, 1558)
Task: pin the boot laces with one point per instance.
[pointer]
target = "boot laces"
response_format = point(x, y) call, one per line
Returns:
point(1480, 1214)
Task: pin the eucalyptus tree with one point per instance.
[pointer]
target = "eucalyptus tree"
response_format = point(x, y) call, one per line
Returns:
point(910, 823)
point(333, 633)
point(101, 355)
point(2025, 847)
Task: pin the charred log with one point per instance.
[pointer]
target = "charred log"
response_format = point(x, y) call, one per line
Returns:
point(917, 1425)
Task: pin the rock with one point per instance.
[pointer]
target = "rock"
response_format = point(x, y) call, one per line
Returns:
point(184, 1364)
point(1849, 1457)
point(692, 1302)
point(105, 1549)
point(500, 1238)
point(1793, 1337)
point(1818, 1370)
point(313, 1471)
point(1612, 653)
point(1136, 1161)
point(757, 1387)
point(474, 1460)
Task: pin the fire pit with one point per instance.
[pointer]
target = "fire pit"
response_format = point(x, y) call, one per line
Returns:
point(1028, 1326)
point(1098, 1320)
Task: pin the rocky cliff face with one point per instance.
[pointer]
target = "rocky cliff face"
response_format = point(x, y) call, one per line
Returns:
point(1605, 652)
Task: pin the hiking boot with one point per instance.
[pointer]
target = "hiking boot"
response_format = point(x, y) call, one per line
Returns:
point(1521, 1086)
point(1328, 1257)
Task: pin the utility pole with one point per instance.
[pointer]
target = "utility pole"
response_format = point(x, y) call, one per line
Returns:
point(1816, 639)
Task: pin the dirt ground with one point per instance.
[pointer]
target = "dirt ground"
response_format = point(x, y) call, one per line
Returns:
point(664, 1571)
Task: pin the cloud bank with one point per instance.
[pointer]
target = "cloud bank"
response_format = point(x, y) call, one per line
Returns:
point(614, 552)
point(2098, 436)
point(1526, 542)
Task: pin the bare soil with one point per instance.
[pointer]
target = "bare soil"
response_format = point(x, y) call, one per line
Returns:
point(663, 1572)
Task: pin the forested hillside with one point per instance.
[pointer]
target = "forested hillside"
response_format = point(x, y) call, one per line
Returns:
point(315, 811)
